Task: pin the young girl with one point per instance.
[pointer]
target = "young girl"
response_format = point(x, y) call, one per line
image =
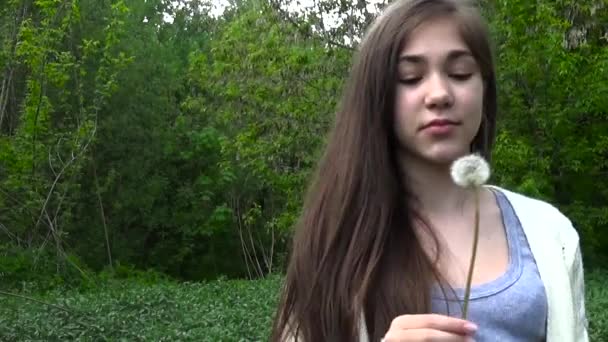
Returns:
point(382, 249)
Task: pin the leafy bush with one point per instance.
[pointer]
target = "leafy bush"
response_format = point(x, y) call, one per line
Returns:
point(130, 310)
point(222, 310)
point(37, 270)
point(596, 301)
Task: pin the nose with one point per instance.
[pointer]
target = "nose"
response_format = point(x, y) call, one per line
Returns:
point(439, 94)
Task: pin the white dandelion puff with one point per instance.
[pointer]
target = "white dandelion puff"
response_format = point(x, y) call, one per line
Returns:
point(470, 171)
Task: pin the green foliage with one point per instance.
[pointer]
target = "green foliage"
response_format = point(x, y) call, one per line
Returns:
point(129, 272)
point(185, 147)
point(596, 296)
point(134, 311)
point(35, 270)
point(552, 120)
point(160, 183)
point(166, 311)
point(46, 149)
point(265, 87)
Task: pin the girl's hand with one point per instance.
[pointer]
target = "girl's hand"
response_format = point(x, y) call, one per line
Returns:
point(430, 327)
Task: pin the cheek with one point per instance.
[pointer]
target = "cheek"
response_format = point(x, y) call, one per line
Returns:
point(405, 123)
point(473, 107)
point(405, 108)
point(471, 100)
point(402, 115)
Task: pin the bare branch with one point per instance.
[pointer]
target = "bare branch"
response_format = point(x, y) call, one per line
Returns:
point(51, 163)
point(10, 235)
point(235, 204)
point(255, 254)
point(60, 249)
point(63, 169)
point(272, 242)
point(8, 72)
point(103, 216)
point(4, 92)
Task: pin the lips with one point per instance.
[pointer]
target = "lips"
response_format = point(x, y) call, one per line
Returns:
point(439, 123)
point(439, 127)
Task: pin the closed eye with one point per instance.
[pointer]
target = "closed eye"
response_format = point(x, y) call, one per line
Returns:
point(461, 77)
point(410, 80)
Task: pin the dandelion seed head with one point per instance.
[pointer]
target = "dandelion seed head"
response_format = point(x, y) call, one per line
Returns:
point(470, 171)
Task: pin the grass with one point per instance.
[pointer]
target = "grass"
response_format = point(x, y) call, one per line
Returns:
point(596, 303)
point(130, 311)
point(167, 311)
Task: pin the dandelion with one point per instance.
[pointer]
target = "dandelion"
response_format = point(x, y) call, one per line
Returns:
point(471, 172)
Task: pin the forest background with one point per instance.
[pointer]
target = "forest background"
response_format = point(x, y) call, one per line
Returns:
point(154, 153)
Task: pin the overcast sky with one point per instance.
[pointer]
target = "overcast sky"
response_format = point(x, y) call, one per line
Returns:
point(220, 5)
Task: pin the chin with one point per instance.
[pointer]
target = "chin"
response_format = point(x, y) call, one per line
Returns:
point(446, 157)
point(444, 154)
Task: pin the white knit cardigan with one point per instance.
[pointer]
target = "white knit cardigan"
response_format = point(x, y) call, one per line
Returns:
point(555, 245)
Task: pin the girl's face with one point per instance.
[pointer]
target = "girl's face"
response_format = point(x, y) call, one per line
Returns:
point(439, 97)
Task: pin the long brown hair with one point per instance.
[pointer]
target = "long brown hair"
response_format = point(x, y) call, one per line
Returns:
point(355, 252)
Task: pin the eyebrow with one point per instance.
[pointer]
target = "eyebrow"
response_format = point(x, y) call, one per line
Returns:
point(452, 55)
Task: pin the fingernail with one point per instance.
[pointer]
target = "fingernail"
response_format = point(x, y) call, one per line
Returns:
point(470, 327)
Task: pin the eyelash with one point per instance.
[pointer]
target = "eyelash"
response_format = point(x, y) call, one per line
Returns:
point(410, 81)
point(461, 77)
point(414, 80)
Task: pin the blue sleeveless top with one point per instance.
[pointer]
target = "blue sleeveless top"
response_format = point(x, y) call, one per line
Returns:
point(512, 307)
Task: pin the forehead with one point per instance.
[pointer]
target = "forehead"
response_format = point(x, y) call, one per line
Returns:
point(436, 38)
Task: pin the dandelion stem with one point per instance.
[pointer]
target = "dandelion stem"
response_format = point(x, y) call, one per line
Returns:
point(467, 292)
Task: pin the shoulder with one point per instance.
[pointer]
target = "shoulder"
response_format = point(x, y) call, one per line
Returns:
point(543, 214)
point(524, 204)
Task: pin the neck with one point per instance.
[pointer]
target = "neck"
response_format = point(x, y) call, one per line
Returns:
point(435, 192)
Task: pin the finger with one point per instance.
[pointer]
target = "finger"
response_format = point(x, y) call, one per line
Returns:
point(434, 321)
point(424, 334)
